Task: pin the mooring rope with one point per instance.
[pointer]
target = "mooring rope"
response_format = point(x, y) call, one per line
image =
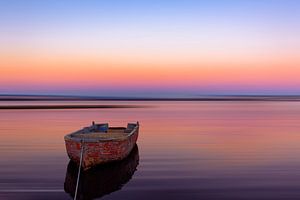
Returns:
point(78, 176)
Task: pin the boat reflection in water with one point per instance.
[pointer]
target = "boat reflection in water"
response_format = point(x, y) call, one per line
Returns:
point(103, 179)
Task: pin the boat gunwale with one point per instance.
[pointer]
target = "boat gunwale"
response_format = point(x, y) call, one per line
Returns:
point(91, 140)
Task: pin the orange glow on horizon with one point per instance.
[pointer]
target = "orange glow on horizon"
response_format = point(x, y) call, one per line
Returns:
point(90, 71)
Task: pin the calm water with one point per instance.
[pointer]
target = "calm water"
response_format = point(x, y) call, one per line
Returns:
point(186, 150)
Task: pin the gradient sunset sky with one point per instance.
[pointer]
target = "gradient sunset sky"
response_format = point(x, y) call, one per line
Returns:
point(150, 48)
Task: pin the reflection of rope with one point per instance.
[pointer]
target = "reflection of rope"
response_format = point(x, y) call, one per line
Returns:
point(78, 176)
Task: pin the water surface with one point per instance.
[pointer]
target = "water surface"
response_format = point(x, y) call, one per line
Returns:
point(186, 150)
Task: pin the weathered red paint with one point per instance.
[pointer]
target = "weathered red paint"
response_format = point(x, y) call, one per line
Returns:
point(101, 151)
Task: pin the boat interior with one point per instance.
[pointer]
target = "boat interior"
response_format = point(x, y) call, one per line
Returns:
point(103, 131)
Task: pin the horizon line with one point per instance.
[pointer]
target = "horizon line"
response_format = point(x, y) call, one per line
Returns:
point(216, 97)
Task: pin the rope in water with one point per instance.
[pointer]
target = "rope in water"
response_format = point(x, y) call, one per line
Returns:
point(78, 176)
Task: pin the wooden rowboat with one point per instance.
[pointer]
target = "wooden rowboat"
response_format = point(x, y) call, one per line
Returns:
point(99, 143)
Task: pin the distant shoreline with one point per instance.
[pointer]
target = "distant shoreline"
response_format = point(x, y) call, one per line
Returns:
point(33, 107)
point(201, 98)
point(40, 98)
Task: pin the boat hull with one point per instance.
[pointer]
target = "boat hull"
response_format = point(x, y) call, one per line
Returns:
point(101, 151)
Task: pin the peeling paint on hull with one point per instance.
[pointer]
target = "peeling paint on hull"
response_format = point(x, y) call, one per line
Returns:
point(100, 151)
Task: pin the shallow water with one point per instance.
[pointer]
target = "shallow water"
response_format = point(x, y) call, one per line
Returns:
point(186, 150)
